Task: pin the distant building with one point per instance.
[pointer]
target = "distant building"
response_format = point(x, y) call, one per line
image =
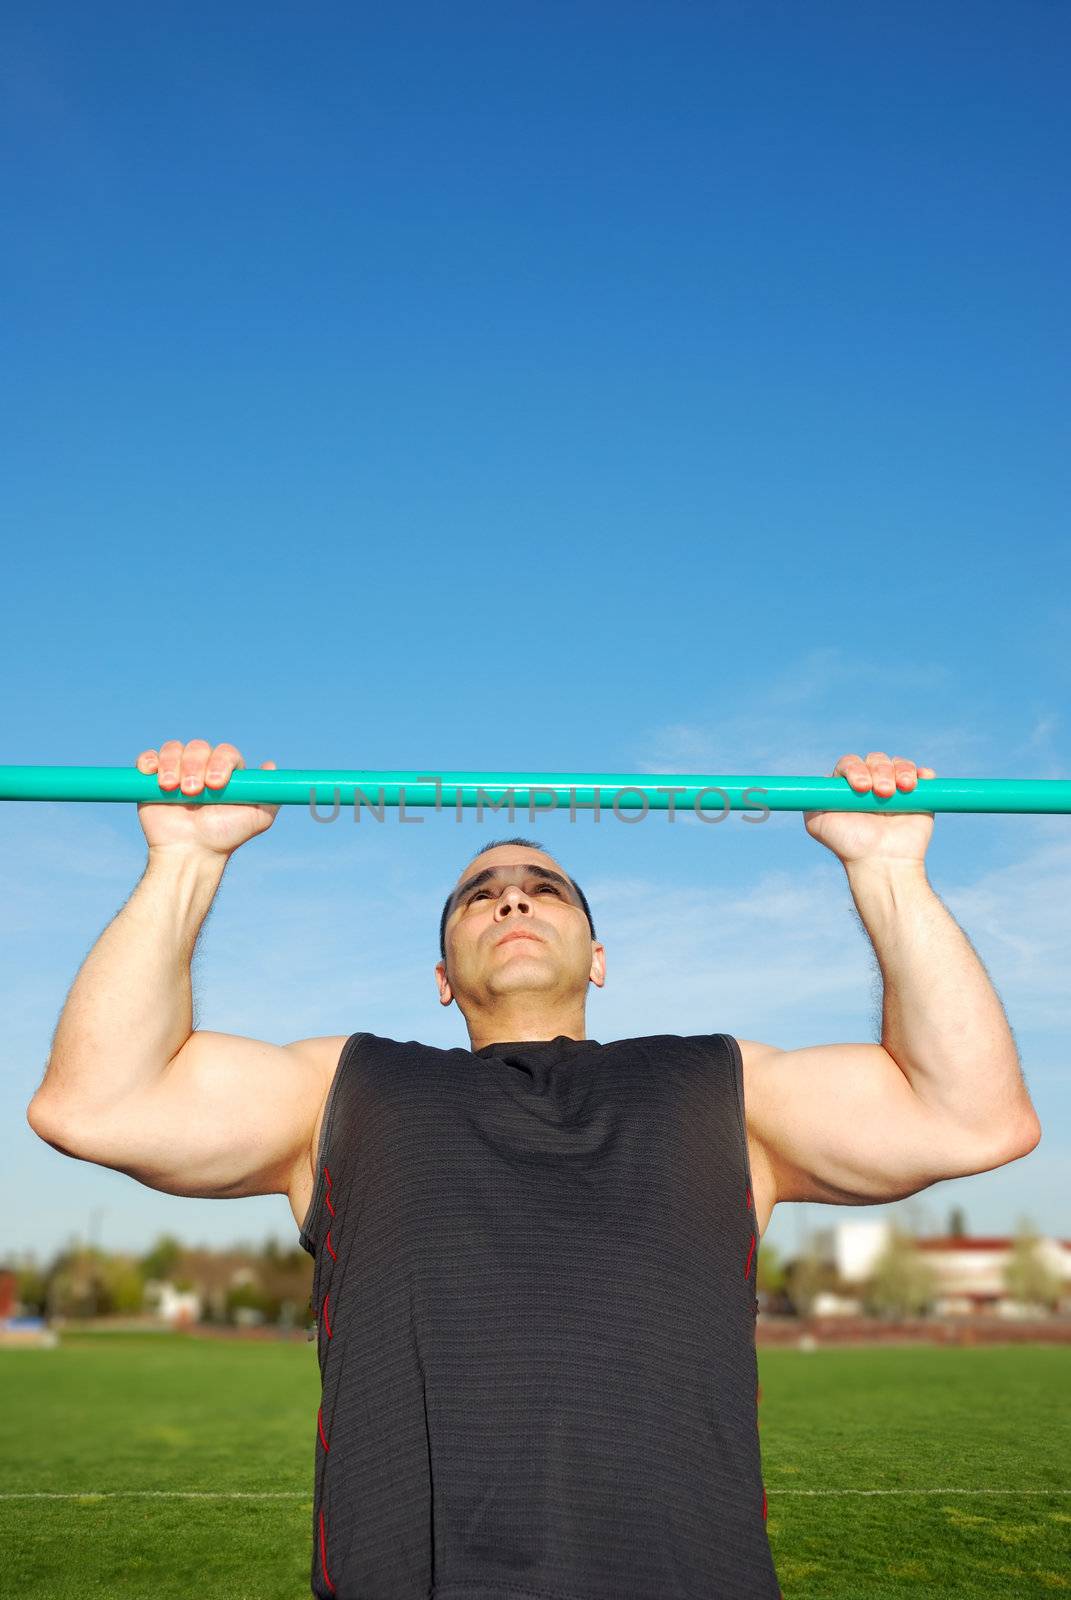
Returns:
point(179, 1307)
point(209, 1274)
point(969, 1271)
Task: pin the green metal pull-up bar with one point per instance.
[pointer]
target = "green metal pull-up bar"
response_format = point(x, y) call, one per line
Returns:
point(542, 791)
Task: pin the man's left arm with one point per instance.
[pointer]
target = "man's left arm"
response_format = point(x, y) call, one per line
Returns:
point(942, 1095)
point(942, 1020)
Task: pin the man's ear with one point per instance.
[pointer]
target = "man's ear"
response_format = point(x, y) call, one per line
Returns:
point(446, 994)
point(597, 975)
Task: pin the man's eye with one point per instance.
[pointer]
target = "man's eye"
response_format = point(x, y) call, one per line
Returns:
point(477, 895)
point(553, 887)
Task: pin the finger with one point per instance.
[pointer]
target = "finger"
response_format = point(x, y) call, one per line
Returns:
point(170, 756)
point(882, 772)
point(148, 761)
point(855, 769)
point(192, 766)
point(906, 773)
point(221, 763)
point(927, 772)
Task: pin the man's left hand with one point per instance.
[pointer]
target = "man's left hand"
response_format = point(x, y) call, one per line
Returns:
point(867, 836)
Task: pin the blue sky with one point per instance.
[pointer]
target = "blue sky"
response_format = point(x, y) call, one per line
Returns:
point(616, 388)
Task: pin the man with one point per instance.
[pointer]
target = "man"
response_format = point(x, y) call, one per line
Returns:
point(535, 1257)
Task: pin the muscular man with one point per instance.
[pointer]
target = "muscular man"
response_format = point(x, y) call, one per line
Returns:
point(534, 1257)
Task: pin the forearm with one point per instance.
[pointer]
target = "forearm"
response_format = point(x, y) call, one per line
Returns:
point(942, 1020)
point(130, 1009)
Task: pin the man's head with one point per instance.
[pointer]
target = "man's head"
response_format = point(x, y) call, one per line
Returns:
point(514, 887)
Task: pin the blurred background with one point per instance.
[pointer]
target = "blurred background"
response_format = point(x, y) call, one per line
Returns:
point(615, 387)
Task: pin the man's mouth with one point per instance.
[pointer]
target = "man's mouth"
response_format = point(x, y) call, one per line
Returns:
point(506, 937)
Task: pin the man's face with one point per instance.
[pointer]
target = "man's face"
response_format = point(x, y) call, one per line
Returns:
point(515, 922)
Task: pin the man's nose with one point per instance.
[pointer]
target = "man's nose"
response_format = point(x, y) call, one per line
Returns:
point(512, 896)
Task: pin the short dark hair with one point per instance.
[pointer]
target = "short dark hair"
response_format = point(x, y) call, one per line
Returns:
point(529, 844)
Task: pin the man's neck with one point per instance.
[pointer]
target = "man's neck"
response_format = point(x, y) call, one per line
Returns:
point(511, 1026)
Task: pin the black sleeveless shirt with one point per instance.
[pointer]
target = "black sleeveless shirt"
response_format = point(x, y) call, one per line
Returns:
point(534, 1286)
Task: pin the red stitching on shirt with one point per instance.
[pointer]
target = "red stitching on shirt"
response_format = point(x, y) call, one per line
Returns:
point(319, 1413)
point(323, 1554)
point(751, 1251)
point(764, 1505)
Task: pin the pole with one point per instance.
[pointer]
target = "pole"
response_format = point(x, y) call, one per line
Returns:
point(542, 791)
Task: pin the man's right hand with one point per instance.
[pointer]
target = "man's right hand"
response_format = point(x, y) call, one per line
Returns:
point(190, 767)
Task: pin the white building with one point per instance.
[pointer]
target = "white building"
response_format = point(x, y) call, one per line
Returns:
point(176, 1306)
point(969, 1271)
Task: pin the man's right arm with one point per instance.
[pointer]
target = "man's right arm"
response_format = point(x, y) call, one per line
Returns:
point(130, 1009)
point(128, 1083)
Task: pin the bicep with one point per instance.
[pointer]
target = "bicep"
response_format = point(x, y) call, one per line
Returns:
point(841, 1124)
point(228, 1117)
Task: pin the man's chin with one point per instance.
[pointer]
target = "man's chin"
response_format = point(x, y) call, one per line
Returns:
point(521, 975)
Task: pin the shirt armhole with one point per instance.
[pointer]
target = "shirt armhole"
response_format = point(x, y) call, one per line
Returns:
point(305, 1233)
point(736, 1067)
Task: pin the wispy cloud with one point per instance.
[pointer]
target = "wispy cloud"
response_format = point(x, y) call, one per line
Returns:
point(1044, 728)
point(759, 962)
point(786, 962)
point(830, 700)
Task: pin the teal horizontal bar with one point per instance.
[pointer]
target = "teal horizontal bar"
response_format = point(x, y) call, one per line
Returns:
point(547, 791)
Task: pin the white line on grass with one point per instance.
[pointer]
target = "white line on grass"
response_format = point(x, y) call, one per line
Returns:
point(306, 1494)
point(919, 1491)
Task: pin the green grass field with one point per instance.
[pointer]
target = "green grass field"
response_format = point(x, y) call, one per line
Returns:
point(188, 1425)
